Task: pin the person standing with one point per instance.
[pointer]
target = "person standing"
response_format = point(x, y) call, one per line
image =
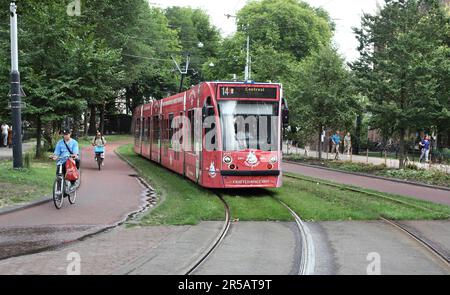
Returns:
point(347, 144)
point(10, 133)
point(425, 144)
point(4, 138)
point(335, 141)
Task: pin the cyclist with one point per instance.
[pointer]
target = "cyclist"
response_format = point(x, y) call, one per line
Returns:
point(66, 148)
point(99, 143)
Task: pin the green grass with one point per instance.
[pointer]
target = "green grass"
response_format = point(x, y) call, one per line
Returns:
point(185, 202)
point(87, 141)
point(315, 200)
point(19, 186)
point(255, 205)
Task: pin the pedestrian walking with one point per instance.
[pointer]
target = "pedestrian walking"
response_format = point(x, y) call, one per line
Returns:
point(335, 141)
point(4, 137)
point(10, 133)
point(347, 144)
point(425, 144)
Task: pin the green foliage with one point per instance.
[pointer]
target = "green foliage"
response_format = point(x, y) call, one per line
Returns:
point(406, 77)
point(322, 97)
point(194, 27)
point(432, 176)
point(285, 25)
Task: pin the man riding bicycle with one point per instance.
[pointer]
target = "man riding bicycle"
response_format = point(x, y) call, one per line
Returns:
point(66, 148)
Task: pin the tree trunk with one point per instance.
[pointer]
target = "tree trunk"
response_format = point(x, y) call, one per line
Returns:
point(85, 123)
point(319, 146)
point(92, 122)
point(402, 149)
point(102, 119)
point(76, 126)
point(38, 137)
point(357, 135)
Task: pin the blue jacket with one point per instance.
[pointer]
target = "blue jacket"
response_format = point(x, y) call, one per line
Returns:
point(336, 138)
point(63, 153)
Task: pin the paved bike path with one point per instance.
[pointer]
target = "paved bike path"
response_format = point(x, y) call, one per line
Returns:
point(386, 186)
point(105, 198)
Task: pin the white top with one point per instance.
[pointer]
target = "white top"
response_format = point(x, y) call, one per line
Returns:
point(5, 128)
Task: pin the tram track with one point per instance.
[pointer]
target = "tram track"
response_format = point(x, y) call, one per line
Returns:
point(217, 241)
point(308, 255)
point(423, 242)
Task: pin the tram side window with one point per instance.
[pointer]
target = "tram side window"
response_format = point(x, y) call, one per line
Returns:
point(156, 129)
point(191, 119)
point(149, 129)
point(144, 135)
point(166, 136)
point(171, 129)
point(137, 129)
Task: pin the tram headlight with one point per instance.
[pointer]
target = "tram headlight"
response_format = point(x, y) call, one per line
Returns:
point(227, 159)
point(273, 160)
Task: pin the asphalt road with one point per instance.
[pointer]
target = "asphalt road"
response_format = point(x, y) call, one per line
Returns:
point(386, 186)
point(104, 199)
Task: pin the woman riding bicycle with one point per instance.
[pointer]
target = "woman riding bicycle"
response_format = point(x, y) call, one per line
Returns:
point(99, 145)
point(66, 148)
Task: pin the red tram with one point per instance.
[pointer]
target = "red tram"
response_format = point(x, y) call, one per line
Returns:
point(217, 134)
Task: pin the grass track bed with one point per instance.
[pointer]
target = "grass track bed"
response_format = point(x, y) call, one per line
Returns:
point(188, 203)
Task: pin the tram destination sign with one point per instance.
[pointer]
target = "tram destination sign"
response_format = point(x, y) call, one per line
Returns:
point(248, 92)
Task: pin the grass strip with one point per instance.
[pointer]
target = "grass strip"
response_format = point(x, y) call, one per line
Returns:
point(317, 200)
point(185, 202)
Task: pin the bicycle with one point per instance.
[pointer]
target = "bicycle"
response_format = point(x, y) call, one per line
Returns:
point(99, 155)
point(63, 188)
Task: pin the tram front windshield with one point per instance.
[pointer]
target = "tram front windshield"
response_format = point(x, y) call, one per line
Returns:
point(249, 125)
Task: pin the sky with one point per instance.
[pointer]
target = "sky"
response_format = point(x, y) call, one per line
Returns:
point(345, 13)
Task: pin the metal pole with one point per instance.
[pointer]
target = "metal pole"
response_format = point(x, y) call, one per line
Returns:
point(15, 92)
point(247, 64)
point(185, 72)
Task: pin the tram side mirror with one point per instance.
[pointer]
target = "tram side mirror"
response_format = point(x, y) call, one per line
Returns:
point(284, 113)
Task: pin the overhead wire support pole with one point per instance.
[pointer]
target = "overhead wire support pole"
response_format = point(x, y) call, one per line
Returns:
point(16, 103)
point(247, 64)
point(183, 73)
point(247, 71)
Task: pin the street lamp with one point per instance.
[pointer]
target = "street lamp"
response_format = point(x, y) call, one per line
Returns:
point(16, 103)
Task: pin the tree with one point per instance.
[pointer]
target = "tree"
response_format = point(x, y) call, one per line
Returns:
point(286, 25)
point(282, 33)
point(198, 37)
point(324, 97)
point(402, 50)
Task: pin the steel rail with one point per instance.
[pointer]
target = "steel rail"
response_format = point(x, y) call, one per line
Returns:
point(218, 240)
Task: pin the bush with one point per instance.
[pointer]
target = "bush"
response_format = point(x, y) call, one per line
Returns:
point(50, 142)
point(411, 166)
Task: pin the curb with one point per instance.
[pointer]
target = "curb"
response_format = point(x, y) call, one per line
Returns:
point(14, 208)
point(372, 176)
point(161, 196)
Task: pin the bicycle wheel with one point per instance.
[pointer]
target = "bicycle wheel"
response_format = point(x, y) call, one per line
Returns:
point(72, 197)
point(99, 162)
point(58, 192)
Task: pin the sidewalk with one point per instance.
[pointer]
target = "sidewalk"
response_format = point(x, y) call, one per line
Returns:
point(7, 153)
point(391, 163)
